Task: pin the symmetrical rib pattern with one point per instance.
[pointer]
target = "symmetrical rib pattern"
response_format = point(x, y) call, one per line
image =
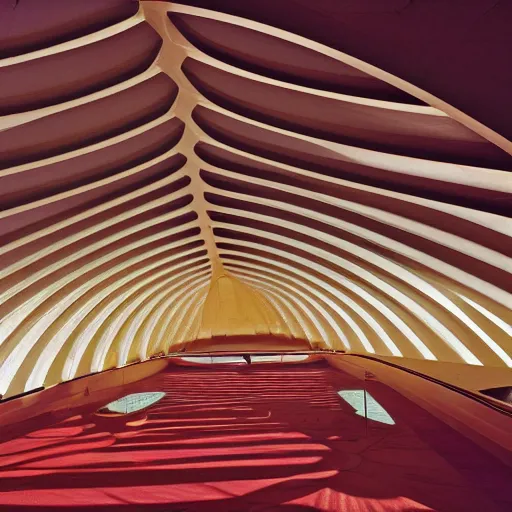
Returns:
point(143, 151)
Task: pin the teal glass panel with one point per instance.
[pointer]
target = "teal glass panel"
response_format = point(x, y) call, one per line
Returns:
point(374, 411)
point(133, 403)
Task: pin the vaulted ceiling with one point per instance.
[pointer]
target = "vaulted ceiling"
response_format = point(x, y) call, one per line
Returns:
point(335, 173)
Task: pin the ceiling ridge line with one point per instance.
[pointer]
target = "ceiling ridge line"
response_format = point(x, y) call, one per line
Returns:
point(19, 118)
point(169, 60)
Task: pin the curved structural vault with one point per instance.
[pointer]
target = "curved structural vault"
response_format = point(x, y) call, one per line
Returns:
point(172, 176)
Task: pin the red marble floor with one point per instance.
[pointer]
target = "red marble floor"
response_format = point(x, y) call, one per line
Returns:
point(251, 438)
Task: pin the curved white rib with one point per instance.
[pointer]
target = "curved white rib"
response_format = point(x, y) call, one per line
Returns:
point(121, 314)
point(13, 120)
point(14, 318)
point(322, 334)
point(105, 33)
point(89, 186)
point(297, 315)
point(365, 296)
point(90, 213)
point(194, 319)
point(410, 278)
point(101, 315)
point(180, 310)
point(291, 319)
point(389, 266)
point(485, 219)
point(200, 56)
point(347, 301)
point(448, 270)
point(375, 281)
point(66, 326)
point(51, 350)
point(105, 143)
point(32, 278)
point(479, 177)
point(147, 326)
point(23, 346)
point(164, 338)
point(249, 270)
point(198, 283)
point(369, 69)
point(449, 240)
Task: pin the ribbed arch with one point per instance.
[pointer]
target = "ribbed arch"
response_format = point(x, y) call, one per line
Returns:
point(316, 332)
point(440, 298)
point(332, 297)
point(353, 209)
point(53, 342)
point(418, 309)
point(331, 313)
point(364, 304)
point(279, 196)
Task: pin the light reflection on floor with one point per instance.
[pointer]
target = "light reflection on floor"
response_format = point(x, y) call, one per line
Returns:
point(134, 402)
point(261, 437)
point(371, 409)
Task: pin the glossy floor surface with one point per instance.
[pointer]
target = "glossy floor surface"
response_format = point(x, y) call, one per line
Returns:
point(255, 438)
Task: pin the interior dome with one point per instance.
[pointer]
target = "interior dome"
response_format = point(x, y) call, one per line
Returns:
point(323, 180)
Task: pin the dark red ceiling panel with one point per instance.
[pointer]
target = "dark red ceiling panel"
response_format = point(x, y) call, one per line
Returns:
point(89, 123)
point(456, 50)
point(60, 79)
point(276, 58)
point(28, 25)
